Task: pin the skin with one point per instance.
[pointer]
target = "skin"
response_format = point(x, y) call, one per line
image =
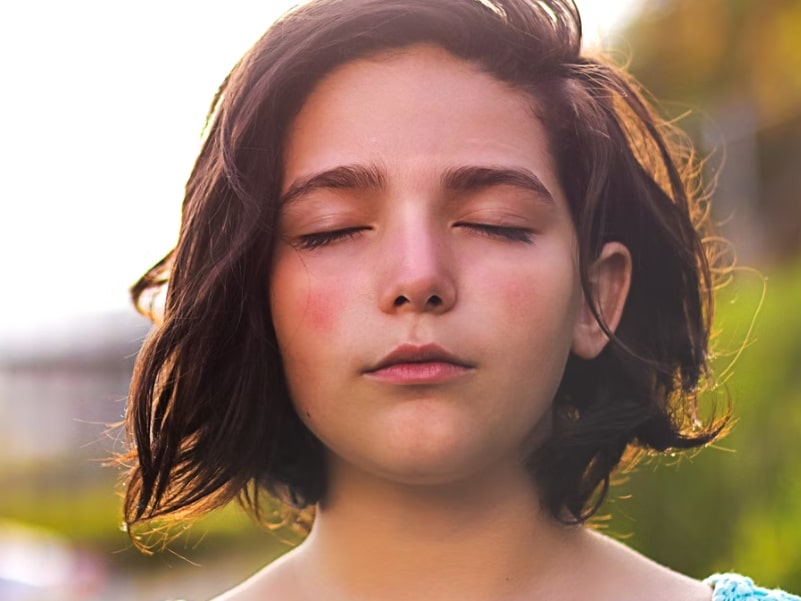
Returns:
point(429, 496)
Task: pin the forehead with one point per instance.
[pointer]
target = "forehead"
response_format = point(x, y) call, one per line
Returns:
point(417, 108)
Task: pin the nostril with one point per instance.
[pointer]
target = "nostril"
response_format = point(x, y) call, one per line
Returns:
point(434, 301)
point(400, 301)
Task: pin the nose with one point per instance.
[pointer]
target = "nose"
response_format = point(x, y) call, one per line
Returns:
point(417, 270)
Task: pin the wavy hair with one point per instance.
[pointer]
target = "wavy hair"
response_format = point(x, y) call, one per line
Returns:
point(209, 415)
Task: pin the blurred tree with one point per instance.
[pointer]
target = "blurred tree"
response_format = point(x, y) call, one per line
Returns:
point(737, 65)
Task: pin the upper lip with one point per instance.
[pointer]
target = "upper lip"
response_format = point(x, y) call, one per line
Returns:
point(411, 353)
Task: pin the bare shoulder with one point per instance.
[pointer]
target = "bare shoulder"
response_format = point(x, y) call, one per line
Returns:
point(276, 582)
point(636, 577)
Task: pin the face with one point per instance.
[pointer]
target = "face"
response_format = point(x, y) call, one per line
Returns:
point(424, 289)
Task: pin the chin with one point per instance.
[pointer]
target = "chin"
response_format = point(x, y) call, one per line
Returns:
point(435, 467)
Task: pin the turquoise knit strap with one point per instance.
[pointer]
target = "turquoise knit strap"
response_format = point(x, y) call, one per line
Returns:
point(734, 587)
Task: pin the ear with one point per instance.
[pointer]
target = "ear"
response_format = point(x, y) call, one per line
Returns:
point(610, 277)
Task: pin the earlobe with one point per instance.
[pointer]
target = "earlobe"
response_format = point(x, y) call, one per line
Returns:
point(610, 278)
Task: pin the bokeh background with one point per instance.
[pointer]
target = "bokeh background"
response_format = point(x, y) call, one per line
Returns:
point(103, 104)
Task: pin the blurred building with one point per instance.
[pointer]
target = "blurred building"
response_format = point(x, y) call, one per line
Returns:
point(61, 388)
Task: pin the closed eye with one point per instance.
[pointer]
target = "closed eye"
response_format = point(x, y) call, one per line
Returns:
point(517, 234)
point(320, 239)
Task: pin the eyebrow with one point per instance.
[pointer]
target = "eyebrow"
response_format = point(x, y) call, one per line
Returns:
point(343, 177)
point(472, 178)
point(467, 178)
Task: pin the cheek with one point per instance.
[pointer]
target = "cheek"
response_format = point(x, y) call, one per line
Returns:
point(528, 294)
point(303, 302)
point(517, 297)
point(322, 306)
point(542, 300)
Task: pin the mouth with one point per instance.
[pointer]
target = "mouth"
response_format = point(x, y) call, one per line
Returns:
point(426, 364)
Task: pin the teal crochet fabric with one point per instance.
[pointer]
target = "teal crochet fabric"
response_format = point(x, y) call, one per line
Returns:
point(733, 587)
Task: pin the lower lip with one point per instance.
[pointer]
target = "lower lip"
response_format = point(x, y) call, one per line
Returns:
point(433, 372)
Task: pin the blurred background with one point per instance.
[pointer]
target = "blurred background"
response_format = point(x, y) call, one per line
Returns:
point(103, 104)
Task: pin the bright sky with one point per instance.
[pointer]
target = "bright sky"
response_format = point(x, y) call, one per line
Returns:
point(102, 105)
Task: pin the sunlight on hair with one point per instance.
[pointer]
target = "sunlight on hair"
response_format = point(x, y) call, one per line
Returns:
point(548, 10)
point(493, 7)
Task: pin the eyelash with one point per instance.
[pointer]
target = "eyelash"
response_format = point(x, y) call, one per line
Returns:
point(515, 234)
point(320, 239)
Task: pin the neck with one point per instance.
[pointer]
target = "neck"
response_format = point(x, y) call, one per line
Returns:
point(483, 539)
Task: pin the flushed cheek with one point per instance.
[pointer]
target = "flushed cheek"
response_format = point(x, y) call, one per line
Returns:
point(526, 295)
point(517, 297)
point(323, 305)
point(308, 316)
point(302, 301)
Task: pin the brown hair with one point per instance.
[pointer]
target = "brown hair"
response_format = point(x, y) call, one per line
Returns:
point(209, 412)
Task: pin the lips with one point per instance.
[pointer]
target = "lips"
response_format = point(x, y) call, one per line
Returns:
point(411, 364)
point(409, 353)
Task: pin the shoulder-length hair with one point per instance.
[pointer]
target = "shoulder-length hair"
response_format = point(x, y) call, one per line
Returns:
point(209, 413)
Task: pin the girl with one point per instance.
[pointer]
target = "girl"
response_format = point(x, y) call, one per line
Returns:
point(437, 272)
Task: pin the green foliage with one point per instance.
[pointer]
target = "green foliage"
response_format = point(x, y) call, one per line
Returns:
point(87, 514)
point(735, 506)
point(82, 504)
